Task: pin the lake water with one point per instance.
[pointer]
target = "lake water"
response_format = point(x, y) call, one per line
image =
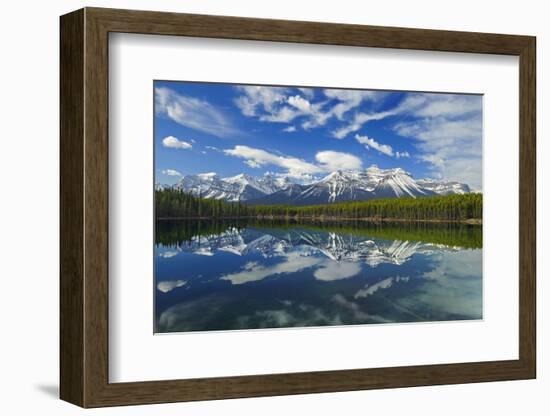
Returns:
point(248, 275)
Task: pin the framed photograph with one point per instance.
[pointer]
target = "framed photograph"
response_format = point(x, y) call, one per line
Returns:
point(256, 207)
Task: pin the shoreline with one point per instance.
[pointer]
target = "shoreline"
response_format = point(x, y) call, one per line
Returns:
point(470, 221)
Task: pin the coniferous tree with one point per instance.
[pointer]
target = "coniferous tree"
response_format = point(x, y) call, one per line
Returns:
point(171, 203)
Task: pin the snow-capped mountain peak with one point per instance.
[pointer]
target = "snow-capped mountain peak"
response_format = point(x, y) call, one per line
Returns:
point(242, 187)
point(243, 180)
point(443, 187)
point(398, 182)
point(340, 185)
point(266, 184)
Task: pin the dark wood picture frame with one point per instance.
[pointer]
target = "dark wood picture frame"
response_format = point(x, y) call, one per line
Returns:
point(84, 207)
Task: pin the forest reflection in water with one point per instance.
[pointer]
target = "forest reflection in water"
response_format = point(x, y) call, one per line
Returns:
point(228, 275)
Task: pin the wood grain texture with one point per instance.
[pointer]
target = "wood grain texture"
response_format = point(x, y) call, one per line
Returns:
point(527, 207)
point(71, 100)
point(84, 207)
point(96, 208)
point(225, 27)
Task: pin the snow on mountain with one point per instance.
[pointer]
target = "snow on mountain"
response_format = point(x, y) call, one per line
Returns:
point(241, 187)
point(276, 182)
point(398, 183)
point(283, 196)
point(270, 243)
point(444, 188)
point(207, 185)
point(161, 187)
point(341, 186)
point(267, 184)
point(337, 186)
point(242, 181)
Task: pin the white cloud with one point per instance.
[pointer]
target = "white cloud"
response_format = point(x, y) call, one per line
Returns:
point(281, 105)
point(462, 169)
point(171, 172)
point(252, 272)
point(299, 103)
point(309, 93)
point(448, 133)
point(259, 157)
point(299, 178)
point(331, 161)
point(193, 113)
point(454, 286)
point(383, 284)
point(440, 105)
point(304, 315)
point(358, 121)
point(204, 251)
point(256, 99)
point(168, 286)
point(370, 142)
point(441, 129)
point(417, 105)
point(252, 164)
point(168, 254)
point(328, 161)
point(175, 143)
point(317, 117)
point(349, 99)
point(332, 270)
point(445, 128)
point(282, 115)
point(359, 315)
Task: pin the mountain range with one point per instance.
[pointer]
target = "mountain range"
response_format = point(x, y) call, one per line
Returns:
point(337, 186)
point(279, 243)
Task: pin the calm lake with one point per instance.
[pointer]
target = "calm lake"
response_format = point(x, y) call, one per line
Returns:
point(248, 275)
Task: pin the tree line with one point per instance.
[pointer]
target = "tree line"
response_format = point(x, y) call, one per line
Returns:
point(172, 203)
point(178, 204)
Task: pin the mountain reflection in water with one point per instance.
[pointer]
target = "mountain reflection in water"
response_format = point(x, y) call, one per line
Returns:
point(223, 276)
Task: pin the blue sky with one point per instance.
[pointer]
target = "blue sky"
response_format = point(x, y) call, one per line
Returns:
point(308, 132)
